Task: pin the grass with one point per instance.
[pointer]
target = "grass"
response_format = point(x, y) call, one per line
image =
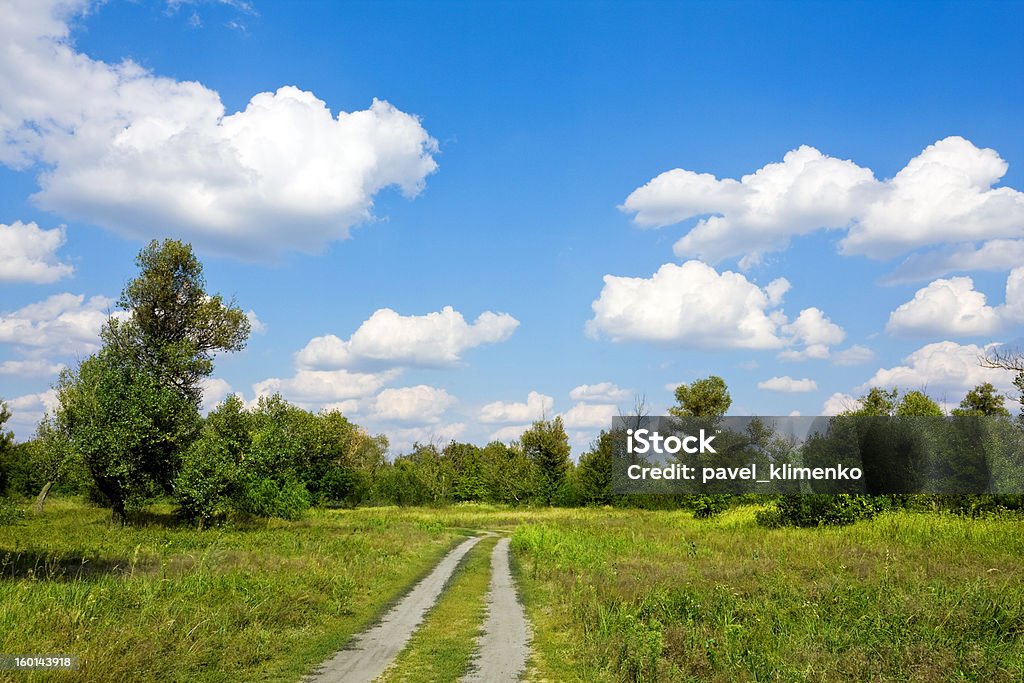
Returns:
point(620, 595)
point(613, 595)
point(160, 602)
point(443, 646)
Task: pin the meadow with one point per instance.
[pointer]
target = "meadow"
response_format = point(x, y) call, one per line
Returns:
point(612, 594)
point(158, 601)
point(651, 596)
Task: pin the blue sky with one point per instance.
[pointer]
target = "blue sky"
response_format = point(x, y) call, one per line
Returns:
point(526, 152)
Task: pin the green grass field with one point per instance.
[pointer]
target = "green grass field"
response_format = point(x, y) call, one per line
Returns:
point(613, 595)
point(650, 596)
point(159, 602)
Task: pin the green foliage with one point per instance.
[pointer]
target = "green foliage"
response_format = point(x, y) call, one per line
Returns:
point(209, 483)
point(6, 437)
point(880, 402)
point(594, 471)
point(10, 512)
point(1018, 382)
point(128, 426)
point(131, 409)
point(982, 400)
point(547, 445)
point(822, 509)
point(918, 404)
point(275, 460)
point(175, 326)
point(707, 397)
point(6, 441)
point(265, 497)
point(706, 506)
point(876, 403)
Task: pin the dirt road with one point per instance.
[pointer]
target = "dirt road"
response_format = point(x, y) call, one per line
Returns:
point(372, 651)
point(504, 646)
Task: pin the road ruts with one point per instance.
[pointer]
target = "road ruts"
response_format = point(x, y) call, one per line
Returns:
point(504, 647)
point(373, 650)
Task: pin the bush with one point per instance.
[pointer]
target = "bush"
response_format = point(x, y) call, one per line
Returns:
point(9, 512)
point(267, 498)
point(769, 518)
point(821, 509)
point(206, 487)
point(710, 505)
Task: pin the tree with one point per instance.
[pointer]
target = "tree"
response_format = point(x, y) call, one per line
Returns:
point(175, 326)
point(880, 402)
point(52, 458)
point(128, 426)
point(510, 476)
point(132, 408)
point(1008, 359)
point(6, 440)
point(209, 482)
point(918, 404)
point(547, 445)
point(982, 400)
point(704, 398)
point(595, 470)
point(876, 403)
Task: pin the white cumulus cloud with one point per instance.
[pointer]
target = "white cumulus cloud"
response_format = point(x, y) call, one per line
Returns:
point(31, 367)
point(325, 386)
point(509, 433)
point(993, 255)
point(788, 384)
point(943, 196)
point(29, 254)
point(600, 392)
point(942, 367)
point(215, 390)
point(536, 406)
point(27, 410)
point(839, 403)
point(953, 307)
point(256, 325)
point(758, 213)
point(401, 440)
point(62, 323)
point(583, 415)
point(419, 404)
point(693, 305)
point(435, 339)
point(122, 147)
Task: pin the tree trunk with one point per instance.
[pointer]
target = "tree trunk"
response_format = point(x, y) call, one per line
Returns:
point(41, 498)
point(117, 514)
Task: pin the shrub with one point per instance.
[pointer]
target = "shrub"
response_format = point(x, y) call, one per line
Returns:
point(769, 518)
point(706, 506)
point(820, 509)
point(268, 498)
point(9, 512)
point(207, 485)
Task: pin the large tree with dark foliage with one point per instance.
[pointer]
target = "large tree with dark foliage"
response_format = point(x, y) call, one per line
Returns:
point(131, 408)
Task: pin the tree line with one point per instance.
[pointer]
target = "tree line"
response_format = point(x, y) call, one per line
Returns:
point(128, 430)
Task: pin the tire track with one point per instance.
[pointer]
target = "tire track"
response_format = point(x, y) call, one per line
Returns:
point(504, 647)
point(373, 650)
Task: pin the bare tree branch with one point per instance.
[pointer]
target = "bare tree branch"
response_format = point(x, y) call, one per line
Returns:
point(1003, 359)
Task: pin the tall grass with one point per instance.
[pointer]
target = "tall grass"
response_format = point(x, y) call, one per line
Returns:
point(651, 596)
point(161, 602)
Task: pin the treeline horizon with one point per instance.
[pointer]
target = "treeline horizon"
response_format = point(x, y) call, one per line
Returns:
point(128, 430)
